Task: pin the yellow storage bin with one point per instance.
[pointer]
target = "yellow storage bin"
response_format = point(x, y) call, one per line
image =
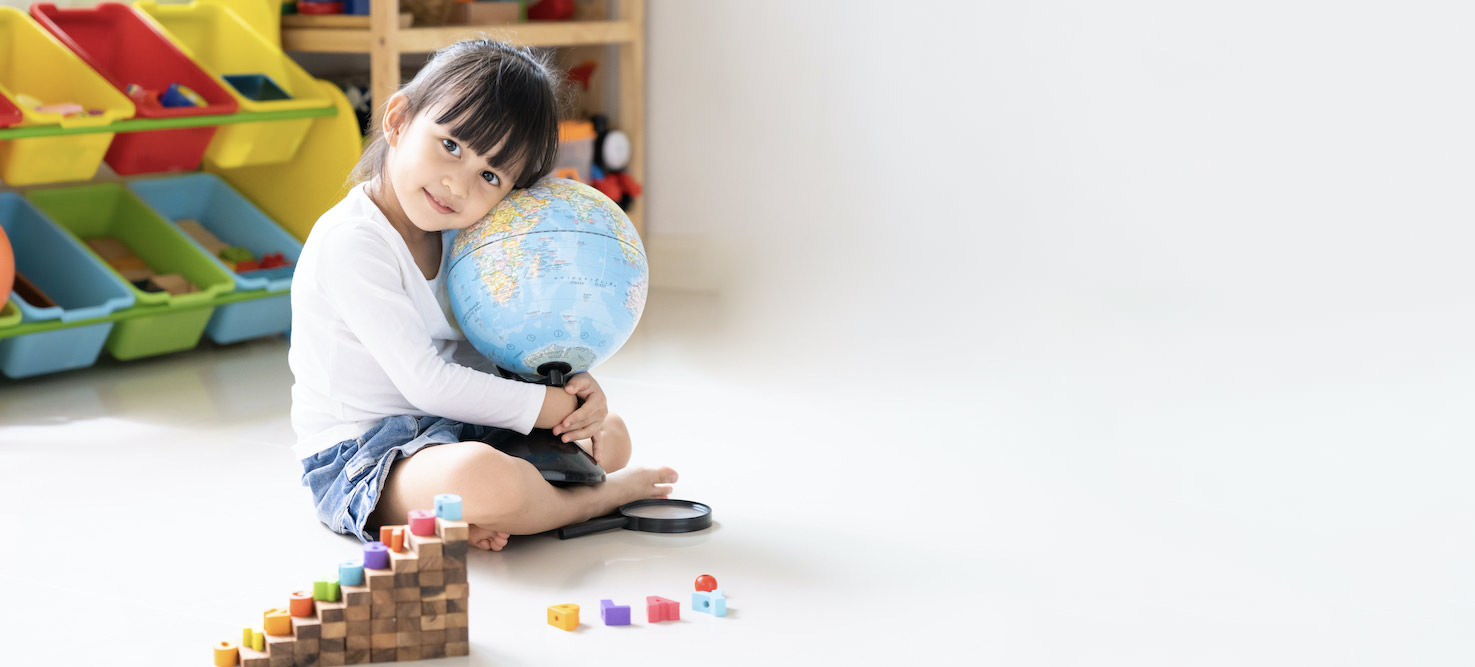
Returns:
point(33, 65)
point(255, 71)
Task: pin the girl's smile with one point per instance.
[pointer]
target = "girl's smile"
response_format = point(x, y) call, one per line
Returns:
point(436, 204)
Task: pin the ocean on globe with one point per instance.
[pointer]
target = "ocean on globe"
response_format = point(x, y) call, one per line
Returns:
point(552, 281)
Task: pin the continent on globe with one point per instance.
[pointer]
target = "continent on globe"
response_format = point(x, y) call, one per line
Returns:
point(551, 282)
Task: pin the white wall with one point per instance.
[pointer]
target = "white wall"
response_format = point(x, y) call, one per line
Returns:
point(966, 175)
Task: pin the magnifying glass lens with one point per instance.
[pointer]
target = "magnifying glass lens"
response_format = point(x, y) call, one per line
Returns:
point(664, 512)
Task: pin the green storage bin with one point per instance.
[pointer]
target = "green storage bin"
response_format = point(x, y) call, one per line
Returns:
point(160, 322)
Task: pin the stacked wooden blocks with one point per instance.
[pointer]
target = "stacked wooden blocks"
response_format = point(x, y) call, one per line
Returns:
point(406, 600)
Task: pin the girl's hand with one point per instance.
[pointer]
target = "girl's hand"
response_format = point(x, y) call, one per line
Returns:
point(586, 421)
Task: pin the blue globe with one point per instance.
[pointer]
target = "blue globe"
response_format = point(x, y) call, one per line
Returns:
point(552, 281)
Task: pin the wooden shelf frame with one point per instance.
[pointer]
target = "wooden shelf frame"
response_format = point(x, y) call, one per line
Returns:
point(384, 41)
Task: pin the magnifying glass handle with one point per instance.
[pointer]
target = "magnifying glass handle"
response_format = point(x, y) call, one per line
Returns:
point(595, 525)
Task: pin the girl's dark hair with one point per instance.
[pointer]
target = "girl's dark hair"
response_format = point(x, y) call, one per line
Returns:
point(485, 92)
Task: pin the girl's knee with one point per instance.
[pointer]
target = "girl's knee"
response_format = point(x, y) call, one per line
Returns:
point(613, 444)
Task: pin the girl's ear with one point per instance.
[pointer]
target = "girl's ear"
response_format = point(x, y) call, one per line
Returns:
point(396, 118)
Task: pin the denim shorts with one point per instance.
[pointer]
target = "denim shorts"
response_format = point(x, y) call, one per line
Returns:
point(347, 478)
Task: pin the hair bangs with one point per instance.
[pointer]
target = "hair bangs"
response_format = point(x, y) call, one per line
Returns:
point(511, 112)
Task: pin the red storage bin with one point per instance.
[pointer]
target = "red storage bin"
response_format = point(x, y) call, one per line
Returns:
point(128, 50)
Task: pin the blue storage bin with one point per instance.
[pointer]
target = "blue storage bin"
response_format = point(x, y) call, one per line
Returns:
point(231, 218)
point(82, 286)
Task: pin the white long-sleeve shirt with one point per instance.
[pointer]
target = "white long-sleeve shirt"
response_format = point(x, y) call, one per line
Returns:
point(371, 338)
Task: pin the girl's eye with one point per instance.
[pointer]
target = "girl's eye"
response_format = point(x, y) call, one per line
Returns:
point(491, 178)
point(450, 147)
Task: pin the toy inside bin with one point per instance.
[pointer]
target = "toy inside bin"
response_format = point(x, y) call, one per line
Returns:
point(109, 211)
point(65, 283)
point(227, 219)
point(133, 55)
point(228, 48)
point(52, 86)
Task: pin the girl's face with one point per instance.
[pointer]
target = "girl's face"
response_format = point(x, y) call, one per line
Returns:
point(438, 183)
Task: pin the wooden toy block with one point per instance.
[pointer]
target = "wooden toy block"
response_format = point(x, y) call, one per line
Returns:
point(709, 602)
point(451, 531)
point(381, 626)
point(356, 596)
point(197, 231)
point(659, 609)
point(453, 554)
point(277, 623)
point(457, 649)
point(134, 275)
point(332, 612)
point(455, 575)
point(407, 636)
point(333, 644)
point(432, 607)
point(429, 637)
point(383, 640)
point(457, 635)
point(429, 651)
point(432, 578)
point(226, 654)
point(433, 622)
point(358, 633)
point(356, 613)
point(380, 612)
point(356, 656)
point(403, 562)
point(306, 628)
point(280, 650)
point(614, 614)
point(456, 605)
point(407, 653)
point(406, 580)
point(456, 619)
point(108, 247)
point(300, 604)
point(334, 659)
point(429, 549)
point(173, 283)
point(407, 593)
point(130, 265)
point(251, 657)
point(351, 573)
point(379, 579)
point(406, 610)
point(422, 522)
point(564, 616)
point(305, 653)
point(454, 591)
point(335, 630)
point(448, 506)
point(432, 593)
point(383, 655)
point(357, 641)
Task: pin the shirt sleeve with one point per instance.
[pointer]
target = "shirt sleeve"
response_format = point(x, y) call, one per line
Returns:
point(367, 287)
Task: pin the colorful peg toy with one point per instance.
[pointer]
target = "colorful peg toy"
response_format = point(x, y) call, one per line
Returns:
point(614, 614)
point(709, 602)
point(706, 582)
point(659, 609)
point(564, 616)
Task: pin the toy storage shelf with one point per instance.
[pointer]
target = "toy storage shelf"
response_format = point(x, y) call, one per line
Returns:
point(134, 312)
point(142, 124)
point(384, 41)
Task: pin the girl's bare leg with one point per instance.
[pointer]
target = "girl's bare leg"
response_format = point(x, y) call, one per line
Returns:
point(502, 495)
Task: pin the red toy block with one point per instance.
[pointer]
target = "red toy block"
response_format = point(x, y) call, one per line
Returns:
point(658, 608)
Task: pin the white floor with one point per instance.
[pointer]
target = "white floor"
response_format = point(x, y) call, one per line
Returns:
point(1138, 496)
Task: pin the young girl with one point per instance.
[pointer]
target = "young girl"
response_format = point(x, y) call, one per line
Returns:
point(390, 404)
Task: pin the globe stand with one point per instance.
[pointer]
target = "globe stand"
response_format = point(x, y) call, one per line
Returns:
point(560, 463)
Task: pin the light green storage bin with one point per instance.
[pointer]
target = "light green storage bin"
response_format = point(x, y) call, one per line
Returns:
point(162, 322)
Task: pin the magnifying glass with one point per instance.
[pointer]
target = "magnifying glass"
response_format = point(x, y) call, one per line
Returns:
point(652, 515)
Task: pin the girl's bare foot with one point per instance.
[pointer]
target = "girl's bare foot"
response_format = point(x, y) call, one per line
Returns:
point(486, 538)
point(633, 484)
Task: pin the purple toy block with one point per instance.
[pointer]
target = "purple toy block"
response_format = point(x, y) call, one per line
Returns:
point(658, 608)
point(614, 614)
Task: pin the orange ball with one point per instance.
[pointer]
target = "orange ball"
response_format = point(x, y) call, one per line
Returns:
point(7, 268)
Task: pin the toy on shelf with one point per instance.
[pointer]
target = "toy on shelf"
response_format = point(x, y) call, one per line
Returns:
point(30, 293)
point(551, 10)
point(403, 601)
point(611, 158)
point(133, 269)
point(257, 87)
point(7, 268)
